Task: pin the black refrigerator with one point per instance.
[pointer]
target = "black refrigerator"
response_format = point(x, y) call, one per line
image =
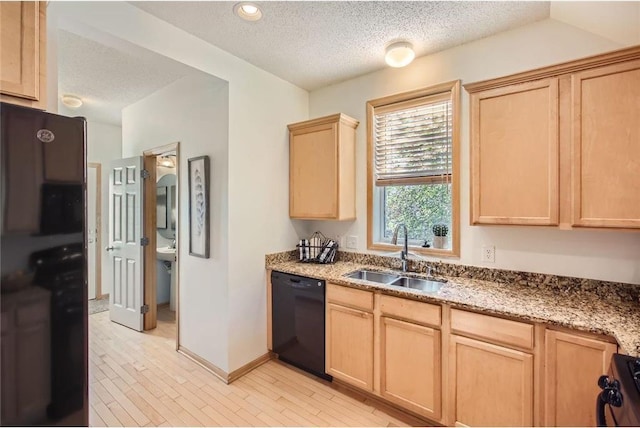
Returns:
point(43, 254)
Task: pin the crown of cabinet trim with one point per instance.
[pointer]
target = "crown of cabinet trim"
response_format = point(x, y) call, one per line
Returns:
point(334, 118)
point(582, 64)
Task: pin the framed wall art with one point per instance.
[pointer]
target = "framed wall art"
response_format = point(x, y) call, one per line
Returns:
point(199, 206)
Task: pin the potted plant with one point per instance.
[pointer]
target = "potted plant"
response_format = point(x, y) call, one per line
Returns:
point(440, 231)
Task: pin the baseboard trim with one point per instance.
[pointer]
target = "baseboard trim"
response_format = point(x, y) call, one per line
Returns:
point(238, 373)
point(221, 374)
point(413, 418)
point(215, 370)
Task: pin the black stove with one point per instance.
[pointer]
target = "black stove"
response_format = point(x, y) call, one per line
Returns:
point(619, 402)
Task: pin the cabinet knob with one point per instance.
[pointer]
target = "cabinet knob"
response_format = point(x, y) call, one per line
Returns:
point(110, 248)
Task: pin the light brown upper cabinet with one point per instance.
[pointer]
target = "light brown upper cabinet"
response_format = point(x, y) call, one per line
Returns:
point(322, 168)
point(515, 147)
point(559, 145)
point(23, 53)
point(606, 146)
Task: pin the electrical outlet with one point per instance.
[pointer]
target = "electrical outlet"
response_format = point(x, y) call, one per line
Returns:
point(342, 241)
point(352, 242)
point(488, 254)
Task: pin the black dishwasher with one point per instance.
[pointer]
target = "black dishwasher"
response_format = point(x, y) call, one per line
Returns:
point(297, 321)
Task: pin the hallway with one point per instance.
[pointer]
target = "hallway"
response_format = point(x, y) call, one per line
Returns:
point(140, 380)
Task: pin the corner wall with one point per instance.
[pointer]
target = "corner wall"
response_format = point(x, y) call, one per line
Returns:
point(604, 255)
point(194, 112)
point(260, 107)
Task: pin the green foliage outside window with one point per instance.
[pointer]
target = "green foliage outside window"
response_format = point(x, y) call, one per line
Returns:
point(419, 207)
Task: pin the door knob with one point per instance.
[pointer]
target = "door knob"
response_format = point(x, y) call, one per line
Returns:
point(110, 248)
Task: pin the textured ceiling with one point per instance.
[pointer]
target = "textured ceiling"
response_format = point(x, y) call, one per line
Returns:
point(313, 44)
point(109, 79)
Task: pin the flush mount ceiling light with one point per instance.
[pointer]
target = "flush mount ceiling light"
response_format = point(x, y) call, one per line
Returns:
point(248, 11)
point(399, 54)
point(167, 161)
point(71, 101)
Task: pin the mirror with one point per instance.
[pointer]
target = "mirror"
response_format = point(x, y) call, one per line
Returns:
point(161, 205)
point(166, 206)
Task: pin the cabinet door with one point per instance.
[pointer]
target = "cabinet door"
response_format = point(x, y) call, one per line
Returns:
point(573, 365)
point(22, 24)
point(313, 174)
point(349, 341)
point(514, 154)
point(489, 385)
point(410, 366)
point(606, 146)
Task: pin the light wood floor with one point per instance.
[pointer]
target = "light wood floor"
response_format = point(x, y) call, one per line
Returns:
point(138, 379)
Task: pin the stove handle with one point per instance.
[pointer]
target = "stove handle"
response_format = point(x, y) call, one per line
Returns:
point(601, 420)
point(610, 395)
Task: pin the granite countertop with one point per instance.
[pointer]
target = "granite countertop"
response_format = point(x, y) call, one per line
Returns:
point(579, 310)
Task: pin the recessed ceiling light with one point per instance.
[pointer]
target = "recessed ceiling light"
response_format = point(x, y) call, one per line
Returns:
point(248, 11)
point(71, 101)
point(399, 54)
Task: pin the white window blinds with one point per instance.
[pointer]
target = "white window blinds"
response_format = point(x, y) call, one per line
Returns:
point(413, 141)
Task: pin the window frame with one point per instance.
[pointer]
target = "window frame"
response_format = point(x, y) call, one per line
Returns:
point(374, 212)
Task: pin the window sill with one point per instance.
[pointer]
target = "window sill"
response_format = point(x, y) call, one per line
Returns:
point(435, 252)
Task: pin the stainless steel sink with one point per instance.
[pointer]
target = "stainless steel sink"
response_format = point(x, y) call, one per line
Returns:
point(426, 285)
point(380, 277)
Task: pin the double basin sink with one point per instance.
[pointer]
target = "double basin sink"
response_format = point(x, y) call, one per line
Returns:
point(425, 285)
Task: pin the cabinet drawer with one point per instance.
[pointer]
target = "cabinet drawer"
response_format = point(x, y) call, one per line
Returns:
point(491, 328)
point(350, 297)
point(424, 313)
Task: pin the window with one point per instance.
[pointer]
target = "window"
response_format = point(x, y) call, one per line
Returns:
point(413, 169)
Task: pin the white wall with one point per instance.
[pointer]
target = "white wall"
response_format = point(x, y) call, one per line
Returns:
point(194, 112)
point(618, 21)
point(260, 107)
point(605, 255)
point(259, 220)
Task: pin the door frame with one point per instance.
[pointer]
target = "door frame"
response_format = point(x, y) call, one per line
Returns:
point(98, 237)
point(149, 229)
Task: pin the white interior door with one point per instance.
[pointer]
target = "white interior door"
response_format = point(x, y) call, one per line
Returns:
point(125, 249)
point(92, 229)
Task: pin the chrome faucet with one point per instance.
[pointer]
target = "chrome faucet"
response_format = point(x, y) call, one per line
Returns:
point(404, 254)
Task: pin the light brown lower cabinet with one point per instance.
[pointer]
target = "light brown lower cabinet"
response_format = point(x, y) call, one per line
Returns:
point(410, 367)
point(349, 345)
point(458, 367)
point(490, 385)
point(573, 364)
